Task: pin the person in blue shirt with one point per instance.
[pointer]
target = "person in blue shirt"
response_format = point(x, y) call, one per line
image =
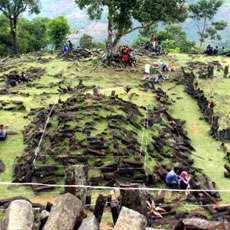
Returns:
point(223, 51)
point(65, 48)
point(173, 178)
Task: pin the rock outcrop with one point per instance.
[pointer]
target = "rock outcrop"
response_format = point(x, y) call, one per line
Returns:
point(66, 213)
point(19, 215)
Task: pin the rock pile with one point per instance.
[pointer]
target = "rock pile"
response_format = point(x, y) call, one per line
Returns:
point(68, 212)
point(204, 104)
point(12, 106)
point(104, 134)
point(81, 54)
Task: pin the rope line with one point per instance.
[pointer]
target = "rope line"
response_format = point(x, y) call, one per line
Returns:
point(43, 133)
point(112, 188)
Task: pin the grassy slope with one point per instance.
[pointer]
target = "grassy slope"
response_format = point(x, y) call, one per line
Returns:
point(109, 80)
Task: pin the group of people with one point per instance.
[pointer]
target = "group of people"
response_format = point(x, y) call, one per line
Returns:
point(154, 46)
point(14, 78)
point(3, 133)
point(178, 179)
point(68, 47)
point(215, 51)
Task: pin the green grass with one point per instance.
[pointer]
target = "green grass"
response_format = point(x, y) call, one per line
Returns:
point(207, 155)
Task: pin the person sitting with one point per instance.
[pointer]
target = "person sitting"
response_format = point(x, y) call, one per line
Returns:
point(3, 133)
point(173, 179)
point(216, 50)
point(223, 51)
point(147, 45)
point(16, 76)
point(209, 50)
point(23, 77)
point(184, 180)
point(159, 48)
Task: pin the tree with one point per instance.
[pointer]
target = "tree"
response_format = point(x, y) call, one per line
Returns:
point(203, 11)
point(5, 41)
point(32, 35)
point(86, 41)
point(172, 37)
point(12, 9)
point(58, 29)
point(123, 13)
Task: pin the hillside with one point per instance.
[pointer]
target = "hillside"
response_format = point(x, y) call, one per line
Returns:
point(80, 21)
point(120, 136)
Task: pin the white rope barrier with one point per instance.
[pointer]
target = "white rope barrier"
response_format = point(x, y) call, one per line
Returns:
point(112, 188)
point(43, 133)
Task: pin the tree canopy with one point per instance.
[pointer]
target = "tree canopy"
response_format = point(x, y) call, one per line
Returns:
point(171, 36)
point(203, 11)
point(12, 9)
point(59, 28)
point(31, 34)
point(123, 15)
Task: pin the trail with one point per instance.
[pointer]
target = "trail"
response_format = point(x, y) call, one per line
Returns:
point(207, 156)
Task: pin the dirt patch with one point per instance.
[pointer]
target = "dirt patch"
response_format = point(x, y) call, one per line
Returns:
point(196, 128)
point(174, 64)
point(41, 200)
point(106, 226)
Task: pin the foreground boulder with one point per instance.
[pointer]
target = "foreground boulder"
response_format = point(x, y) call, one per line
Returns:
point(199, 224)
point(89, 223)
point(76, 175)
point(66, 213)
point(130, 220)
point(19, 215)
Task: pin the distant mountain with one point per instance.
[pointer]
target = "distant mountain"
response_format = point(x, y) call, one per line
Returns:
point(80, 21)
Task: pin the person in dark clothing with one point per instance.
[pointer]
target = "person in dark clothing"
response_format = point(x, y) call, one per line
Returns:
point(23, 77)
point(209, 50)
point(70, 45)
point(159, 48)
point(3, 133)
point(216, 51)
point(16, 76)
point(173, 179)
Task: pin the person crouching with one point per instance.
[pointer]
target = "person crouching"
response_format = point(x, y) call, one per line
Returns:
point(173, 178)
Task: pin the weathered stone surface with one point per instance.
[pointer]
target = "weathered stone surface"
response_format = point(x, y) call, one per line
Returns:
point(19, 215)
point(130, 220)
point(89, 223)
point(66, 213)
point(135, 199)
point(76, 175)
point(200, 224)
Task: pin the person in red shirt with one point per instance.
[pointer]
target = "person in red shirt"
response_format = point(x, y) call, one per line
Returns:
point(126, 59)
point(154, 42)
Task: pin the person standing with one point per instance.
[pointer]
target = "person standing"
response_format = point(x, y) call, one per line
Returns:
point(65, 48)
point(154, 42)
point(70, 45)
